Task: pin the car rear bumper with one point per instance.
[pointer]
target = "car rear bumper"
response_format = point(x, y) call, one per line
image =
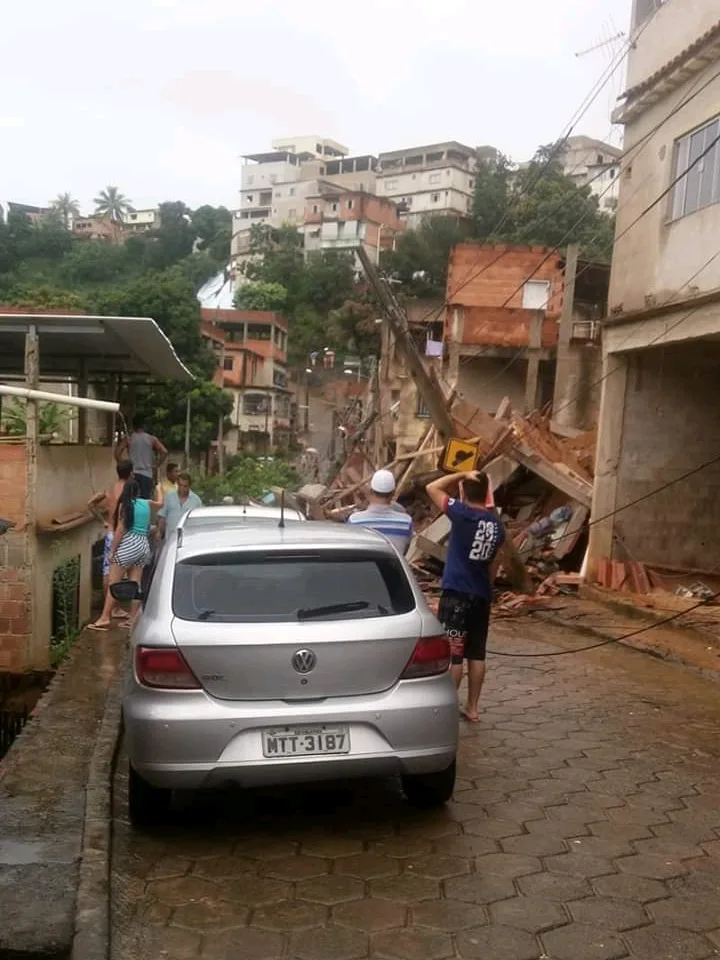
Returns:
point(187, 740)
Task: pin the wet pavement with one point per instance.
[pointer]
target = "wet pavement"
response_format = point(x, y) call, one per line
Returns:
point(585, 826)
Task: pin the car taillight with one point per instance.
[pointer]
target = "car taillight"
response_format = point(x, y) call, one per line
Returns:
point(164, 668)
point(430, 656)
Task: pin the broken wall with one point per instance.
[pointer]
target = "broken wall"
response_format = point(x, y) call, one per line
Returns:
point(485, 381)
point(670, 426)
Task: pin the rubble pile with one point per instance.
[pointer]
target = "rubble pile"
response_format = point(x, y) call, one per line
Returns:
point(542, 484)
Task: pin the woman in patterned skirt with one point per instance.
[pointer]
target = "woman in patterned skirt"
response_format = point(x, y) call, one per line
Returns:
point(130, 550)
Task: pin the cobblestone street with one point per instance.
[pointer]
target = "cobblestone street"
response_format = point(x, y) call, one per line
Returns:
point(585, 826)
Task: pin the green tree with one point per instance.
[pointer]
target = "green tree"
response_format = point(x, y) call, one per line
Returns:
point(43, 298)
point(213, 229)
point(67, 208)
point(167, 296)
point(90, 264)
point(261, 296)
point(316, 286)
point(491, 198)
point(549, 209)
point(174, 238)
point(53, 418)
point(164, 407)
point(539, 205)
point(420, 259)
point(111, 203)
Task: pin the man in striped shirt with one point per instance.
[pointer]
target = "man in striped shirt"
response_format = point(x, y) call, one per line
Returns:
point(383, 514)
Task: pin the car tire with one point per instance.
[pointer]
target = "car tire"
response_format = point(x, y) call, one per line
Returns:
point(427, 790)
point(148, 806)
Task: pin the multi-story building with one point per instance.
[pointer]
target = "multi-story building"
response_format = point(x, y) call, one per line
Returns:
point(320, 147)
point(337, 219)
point(100, 229)
point(661, 339)
point(141, 221)
point(33, 213)
point(522, 323)
point(434, 179)
point(253, 367)
point(275, 185)
point(595, 164)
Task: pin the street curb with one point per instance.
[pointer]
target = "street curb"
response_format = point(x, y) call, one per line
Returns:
point(91, 940)
point(633, 644)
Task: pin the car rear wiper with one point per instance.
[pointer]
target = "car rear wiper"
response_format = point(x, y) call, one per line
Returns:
point(309, 612)
point(205, 614)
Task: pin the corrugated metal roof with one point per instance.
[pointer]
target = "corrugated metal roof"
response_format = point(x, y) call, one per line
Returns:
point(133, 346)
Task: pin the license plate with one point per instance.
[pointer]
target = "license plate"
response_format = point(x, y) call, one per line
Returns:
point(305, 741)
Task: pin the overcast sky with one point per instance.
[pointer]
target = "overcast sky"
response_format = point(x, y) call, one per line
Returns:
point(161, 97)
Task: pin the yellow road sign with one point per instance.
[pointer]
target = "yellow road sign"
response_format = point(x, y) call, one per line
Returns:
point(459, 455)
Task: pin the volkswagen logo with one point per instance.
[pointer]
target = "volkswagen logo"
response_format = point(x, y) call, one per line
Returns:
point(304, 661)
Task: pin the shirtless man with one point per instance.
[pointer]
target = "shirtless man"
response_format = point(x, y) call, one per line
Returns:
point(104, 506)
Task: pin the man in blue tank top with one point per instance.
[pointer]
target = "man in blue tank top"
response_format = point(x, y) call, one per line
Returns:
point(476, 536)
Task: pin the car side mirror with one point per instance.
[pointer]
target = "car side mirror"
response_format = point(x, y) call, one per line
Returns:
point(125, 591)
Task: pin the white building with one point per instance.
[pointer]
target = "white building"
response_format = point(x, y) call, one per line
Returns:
point(141, 221)
point(661, 340)
point(596, 164)
point(320, 147)
point(274, 186)
point(434, 179)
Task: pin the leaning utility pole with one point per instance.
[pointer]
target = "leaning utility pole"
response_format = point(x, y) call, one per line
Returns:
point(398, 323)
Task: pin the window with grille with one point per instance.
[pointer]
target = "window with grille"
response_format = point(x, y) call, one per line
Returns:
point(697, 164)
point(421, 410)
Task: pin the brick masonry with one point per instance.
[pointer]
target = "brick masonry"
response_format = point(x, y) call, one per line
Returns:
point(479, 276)
point(15, 581)
point(585, 826)
point(669, 428)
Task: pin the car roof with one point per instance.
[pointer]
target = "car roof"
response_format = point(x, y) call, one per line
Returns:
point(316, 534)
point(238, 513)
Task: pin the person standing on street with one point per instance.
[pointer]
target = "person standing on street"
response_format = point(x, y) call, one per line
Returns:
point(476, 536)
point(169, 484)
point(383, 514)
point(130, 551)
point(140, 448)
point(104, 506)
point(177, 502)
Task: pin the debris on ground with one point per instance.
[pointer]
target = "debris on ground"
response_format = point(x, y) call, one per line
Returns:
point(542, 485)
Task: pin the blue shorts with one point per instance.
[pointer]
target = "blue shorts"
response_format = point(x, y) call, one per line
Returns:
point(107, 547)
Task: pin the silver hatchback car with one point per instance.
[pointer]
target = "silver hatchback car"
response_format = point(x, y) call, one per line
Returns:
point(270, 655)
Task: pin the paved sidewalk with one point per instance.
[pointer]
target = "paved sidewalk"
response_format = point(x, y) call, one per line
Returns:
point(586, 826)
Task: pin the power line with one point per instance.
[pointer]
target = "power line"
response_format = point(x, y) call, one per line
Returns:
point(638, 148)
point(610, 640)
point(556, 149)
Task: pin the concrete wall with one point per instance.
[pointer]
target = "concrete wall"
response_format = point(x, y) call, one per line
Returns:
point(676, 25)
point(67, 476)
point(658, 259)
point(484, 382)
point(669, 428)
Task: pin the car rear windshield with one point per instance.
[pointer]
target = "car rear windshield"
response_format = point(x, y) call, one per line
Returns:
point(252, 587)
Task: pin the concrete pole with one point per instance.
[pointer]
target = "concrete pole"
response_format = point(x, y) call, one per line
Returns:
point(32, 376)
point(188, 409)
point(568, 369)
point(221, 445)
point(532, 376)
point(607, 459)
point(82, 411)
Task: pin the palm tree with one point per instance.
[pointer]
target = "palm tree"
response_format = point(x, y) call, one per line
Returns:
point(66, 208)
point(111, 203)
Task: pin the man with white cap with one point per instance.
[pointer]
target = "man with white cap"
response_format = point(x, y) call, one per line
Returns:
point(384, 515)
